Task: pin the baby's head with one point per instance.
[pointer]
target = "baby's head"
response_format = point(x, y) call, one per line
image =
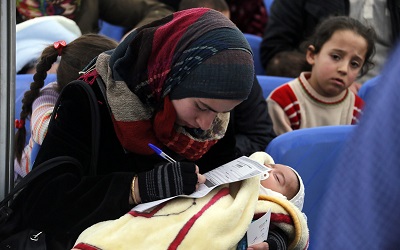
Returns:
point(286, 181)
point(282, 180)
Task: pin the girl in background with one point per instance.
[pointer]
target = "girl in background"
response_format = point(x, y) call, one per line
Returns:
point(39, 101)
point(339, 52)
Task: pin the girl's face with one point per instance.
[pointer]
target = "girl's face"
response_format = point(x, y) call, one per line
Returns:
point(338, 63)
point(282, 179)
point(200, 112)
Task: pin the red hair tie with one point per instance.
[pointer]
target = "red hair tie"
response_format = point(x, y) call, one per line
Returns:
point(59, 45)
point(19, 123)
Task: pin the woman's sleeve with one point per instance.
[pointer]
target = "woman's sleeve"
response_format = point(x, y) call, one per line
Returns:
point(64, 201)
point(63, 204)
point(252, 123)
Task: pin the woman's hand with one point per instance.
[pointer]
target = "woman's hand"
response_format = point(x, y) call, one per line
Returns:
point(259, 246)
point(167, 180)
point(201, 179)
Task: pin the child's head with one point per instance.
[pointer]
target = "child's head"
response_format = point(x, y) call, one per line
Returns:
point(74, 57)
point(286, 181)
point(294, 61)
point(339, 51)
point(219, 5)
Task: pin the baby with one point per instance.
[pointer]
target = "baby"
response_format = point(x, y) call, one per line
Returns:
point(283, 181)
point(218, 222)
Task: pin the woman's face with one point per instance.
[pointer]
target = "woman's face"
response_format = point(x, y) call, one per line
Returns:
point(282, 179)
point(200, 112)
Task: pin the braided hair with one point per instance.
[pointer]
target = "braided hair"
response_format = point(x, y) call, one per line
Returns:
point(74, 57)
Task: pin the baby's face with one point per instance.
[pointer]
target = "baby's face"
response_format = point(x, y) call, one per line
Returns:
point(283, 180)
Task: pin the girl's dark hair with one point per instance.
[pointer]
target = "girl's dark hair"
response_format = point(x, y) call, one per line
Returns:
point(327, 27)
point(74, 57)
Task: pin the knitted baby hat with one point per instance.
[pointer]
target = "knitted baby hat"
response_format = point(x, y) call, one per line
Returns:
point(298, 199)
point(264, 158)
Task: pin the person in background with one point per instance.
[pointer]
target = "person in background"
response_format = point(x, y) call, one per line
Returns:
point(364, 215)
point(295, 63)
point(290, 23)
point(339, 51)
point(39, 101)
point(87, 13)
point(219, 5)
point(176, 94)
point(33, 35)
point(249, 16)
point(250, 120)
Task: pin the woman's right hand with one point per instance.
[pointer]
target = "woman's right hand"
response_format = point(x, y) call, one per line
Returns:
point(168, 180)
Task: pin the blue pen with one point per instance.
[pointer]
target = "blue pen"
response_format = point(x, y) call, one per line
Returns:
point(161, 153)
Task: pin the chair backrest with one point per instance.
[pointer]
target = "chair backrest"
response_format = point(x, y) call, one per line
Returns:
point(22, 84)
point(255, 42)
point(269, 83)
point(369, 87)
point(313, 153)
point(112, 31)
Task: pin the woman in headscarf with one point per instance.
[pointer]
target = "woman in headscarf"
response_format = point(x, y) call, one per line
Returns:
point(171, 83)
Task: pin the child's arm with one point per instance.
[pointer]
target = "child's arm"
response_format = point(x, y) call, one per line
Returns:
point(42, 108)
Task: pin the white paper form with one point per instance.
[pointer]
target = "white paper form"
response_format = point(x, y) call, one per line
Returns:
point(239, 169)
point(258, 230)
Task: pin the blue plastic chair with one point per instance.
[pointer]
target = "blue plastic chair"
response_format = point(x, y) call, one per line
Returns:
point(255, 42)
point(112, 31)
point(22, 84)
point(369, 87)
point(313, 153)
point(269, 83)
